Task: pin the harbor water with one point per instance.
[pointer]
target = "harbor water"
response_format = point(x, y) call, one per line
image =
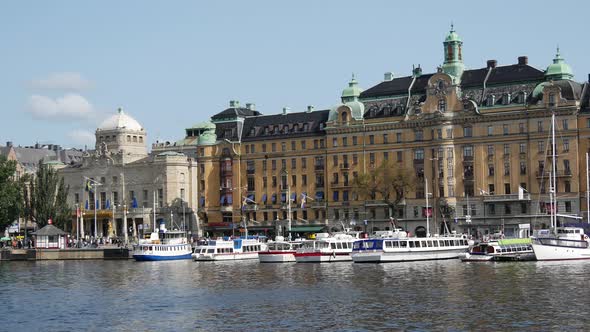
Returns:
point(249, 296)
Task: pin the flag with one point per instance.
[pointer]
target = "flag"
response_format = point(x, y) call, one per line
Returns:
point(86, 205)
point(88, 186)
point(520, 193)
point(133, 203)
point(303, 201)
point(108, 204)
point(96, 206)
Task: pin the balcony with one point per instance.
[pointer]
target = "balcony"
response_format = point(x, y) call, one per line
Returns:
point(506, 198)
point(560, 173)
point(317, 204)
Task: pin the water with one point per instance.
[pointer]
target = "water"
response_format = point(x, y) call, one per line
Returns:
point(249, 296)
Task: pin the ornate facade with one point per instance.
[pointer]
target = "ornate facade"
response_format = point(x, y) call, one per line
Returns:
point(473, 136)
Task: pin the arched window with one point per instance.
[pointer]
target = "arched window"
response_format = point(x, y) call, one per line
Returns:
point(344, 117)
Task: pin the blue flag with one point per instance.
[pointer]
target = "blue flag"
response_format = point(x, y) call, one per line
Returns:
point(108, 204)
point(86, 205)
point(134, 203)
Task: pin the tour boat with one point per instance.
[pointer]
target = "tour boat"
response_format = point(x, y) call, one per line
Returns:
point(327, 248)
point(519, 249)
point(228, 249)
point(564, 243)
point(163, 245)
point(279, 251)
point(401, 248)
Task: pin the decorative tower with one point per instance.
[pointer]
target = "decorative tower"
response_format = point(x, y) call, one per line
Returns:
point(352, 92)
point(453, 64)
point(559, 70)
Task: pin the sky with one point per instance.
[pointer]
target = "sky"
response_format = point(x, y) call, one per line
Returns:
point(68, 65)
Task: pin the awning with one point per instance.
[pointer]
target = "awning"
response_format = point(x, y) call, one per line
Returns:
point(222, 200)
point(264, 198)
point(230, 199)
point(319, 195)
point(306, 229)
point(274, 198)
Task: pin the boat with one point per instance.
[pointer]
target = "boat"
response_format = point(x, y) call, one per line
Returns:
point(517, 249)
point(327, 248)
point(279, 251)
point(163, 245)
point(223, 249)
point(401, 248)
point(559, 243)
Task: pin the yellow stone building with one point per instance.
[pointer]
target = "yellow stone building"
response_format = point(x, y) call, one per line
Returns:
point(475, 137)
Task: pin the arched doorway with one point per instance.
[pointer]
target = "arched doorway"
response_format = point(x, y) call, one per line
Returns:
point(420, 231)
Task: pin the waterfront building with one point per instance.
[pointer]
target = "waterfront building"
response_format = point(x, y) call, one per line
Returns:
point(50, 237)
point(123, 187)
point(479, 138)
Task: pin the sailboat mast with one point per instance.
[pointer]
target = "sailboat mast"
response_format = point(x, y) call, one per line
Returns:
point(587, 191)
point(427, 211)
point(553, 174)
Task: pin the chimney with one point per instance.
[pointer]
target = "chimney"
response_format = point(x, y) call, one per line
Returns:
point(234, 104)
point(492, 63)
point(523, 60)
point(9, 144)
point(251, 106)
point(417, 71)
point(285, 110)
point(388, 76)
point(310, 108)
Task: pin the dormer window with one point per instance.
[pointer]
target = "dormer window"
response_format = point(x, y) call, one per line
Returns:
point(521, 97)
point(552, 99)
point(344, 117)
point(295, 127)
point(442, 104)
point(252, 132)
point(491, 100)
point(305, 127)
point(266, 130)
point(506, 99)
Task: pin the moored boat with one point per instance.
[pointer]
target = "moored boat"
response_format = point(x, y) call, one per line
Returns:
point(279, 251)
point(401, 248)
point(564, 243)
point(228, 249)
point(163, 245)
point(518, 249)
point(327, 248)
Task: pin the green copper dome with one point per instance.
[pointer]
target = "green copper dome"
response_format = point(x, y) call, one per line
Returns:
point(352, 92)
point(203, 125)
point(559, 70)
point(452, 36)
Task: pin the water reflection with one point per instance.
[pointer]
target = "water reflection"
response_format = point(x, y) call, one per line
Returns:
point(246, 295)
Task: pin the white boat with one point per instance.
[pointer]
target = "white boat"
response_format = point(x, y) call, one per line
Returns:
point(228, 249)
point(327, 248)
point(279, 251)
point(164, 245)
point(559, 243)
point(401, 248)
point(518, 249)
point(564, 243)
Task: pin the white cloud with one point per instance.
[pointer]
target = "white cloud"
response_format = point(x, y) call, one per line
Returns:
point(82, 137)
point(65, 81)
point(70, 106)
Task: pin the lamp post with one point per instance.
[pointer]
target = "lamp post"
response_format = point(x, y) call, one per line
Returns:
point(94, 184)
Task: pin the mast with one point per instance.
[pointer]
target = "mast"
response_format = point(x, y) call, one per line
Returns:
point(587, 191)
point(553, 175)
point(427, 212)
point(289, 211)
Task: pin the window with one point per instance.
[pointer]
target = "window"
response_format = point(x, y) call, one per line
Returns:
point(568, 206)
point(551, 99)
point(442, 105)
point(506, 149)
point(372, 158)
point(523, 208)
point(567, 186)
point(385, 141)
point(304, 180)
point(294, 180)
point(354, 140)
point(419, 135)
point(335, 160)
point(490, 150)
point(491, 100)
point(506, 168)
point(439, 133)
point(336, 198)
point(335, 142)
point(451, 190)
point(345, 141)
point(398, 136)
point(566, 167)
point(304, 163)
point(507, 209)
point(273, 164)
point(371, 139)
point(273, 147)
point(541, 146)
point(283, 163)
point(293, 163)
point(293, 148)
point(303, 145)
point(467, 131)
point(565, 124)
point(468, 151)
point(160, 197)
point(247, 149)
point(263, 147)
point(539, 126)
point(419, 154)
point(492, 209)
point(274, 181)
point(507, 188)
point(76, 198)
point(522, 168)
point(283, 146)
point(491, 189)
point(264, 182)
point(522, 148)
point(521, 128)
point(399, 156)
point(490, 130)
point(449, 133)
point(505, 129)
point(385, 155)
point(355, 159)
point(566, 145)
point(491, 170)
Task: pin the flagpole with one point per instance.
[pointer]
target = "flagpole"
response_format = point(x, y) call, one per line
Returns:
point(427, 219)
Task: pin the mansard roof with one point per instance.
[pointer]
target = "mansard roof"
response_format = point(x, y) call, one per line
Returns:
point(471, 78)
point(233, 113)
point(281, 125)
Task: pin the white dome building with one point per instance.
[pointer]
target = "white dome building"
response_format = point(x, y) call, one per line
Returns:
point(121, 133)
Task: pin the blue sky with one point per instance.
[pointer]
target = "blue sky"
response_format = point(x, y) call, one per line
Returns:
point(69, 64)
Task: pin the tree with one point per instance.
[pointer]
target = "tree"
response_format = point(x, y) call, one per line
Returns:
point(389, 180)
point(10, 193)
point(47, 198)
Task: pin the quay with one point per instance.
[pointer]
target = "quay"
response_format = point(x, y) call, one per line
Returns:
point(11, 254)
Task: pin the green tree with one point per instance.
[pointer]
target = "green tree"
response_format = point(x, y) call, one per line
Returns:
point(10, 193)
point(389, 181)
point(47, 198)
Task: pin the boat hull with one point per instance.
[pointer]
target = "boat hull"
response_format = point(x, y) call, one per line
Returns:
point(145, 258)
point(545, 252)
point(406, 256)
point(224, 256)
point(318, 257)
point(276, 257)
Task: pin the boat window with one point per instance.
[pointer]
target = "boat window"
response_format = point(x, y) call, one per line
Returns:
point(429, 243)
point(412, 244)
point(404, 244)
point(356, 245)
point(388, 244)
point(210, 251)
